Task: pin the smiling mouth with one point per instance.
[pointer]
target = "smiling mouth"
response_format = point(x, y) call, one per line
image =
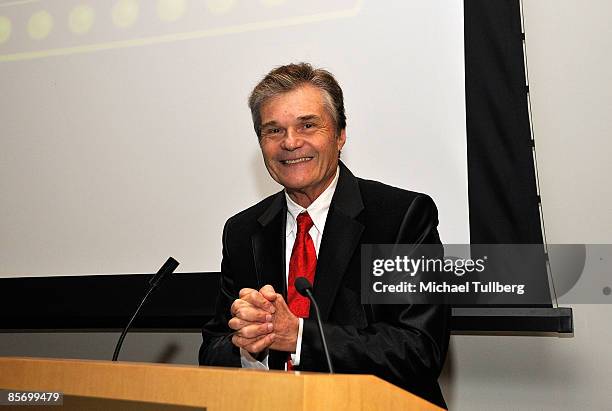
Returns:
point(296, 160)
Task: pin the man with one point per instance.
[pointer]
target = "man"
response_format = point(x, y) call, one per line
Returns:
point(315, 228)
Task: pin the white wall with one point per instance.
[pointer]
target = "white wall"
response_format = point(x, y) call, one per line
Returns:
point(569, 49)
point(124, 145)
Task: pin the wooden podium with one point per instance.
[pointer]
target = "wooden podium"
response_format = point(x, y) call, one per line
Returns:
point(104, 385)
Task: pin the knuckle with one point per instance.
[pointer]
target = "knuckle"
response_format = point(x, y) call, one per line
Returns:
point(235, 305)
point(245, 312)
point(256, 346)
point(255, 332)
point(234, 323)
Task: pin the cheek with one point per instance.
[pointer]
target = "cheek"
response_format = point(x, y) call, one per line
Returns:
point(267, 151)
point(330, 152)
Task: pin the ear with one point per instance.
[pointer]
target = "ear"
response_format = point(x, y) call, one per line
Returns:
point(341, 139)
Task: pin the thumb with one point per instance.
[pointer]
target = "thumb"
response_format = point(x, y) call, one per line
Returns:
point(268, 292)
point(280, 301)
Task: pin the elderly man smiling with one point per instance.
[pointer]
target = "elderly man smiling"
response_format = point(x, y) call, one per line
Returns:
point(314, 228)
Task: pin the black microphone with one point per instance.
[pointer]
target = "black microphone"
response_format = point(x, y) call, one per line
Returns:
point(303, 286)
point(168, 268)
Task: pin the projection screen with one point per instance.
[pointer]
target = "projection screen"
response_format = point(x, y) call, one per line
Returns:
point(126, 137)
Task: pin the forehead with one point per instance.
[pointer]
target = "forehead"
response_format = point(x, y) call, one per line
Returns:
point(304, 100)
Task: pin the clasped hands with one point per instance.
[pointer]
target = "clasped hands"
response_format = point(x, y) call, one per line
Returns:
point(261, 320)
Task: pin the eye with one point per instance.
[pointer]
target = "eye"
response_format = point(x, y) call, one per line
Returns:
point(271, 131)
point(308, 125)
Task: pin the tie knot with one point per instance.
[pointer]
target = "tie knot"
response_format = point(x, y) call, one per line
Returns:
point(304, 222)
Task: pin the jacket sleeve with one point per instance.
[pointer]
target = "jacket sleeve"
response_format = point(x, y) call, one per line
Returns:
point(217, 348)
point(403, 344)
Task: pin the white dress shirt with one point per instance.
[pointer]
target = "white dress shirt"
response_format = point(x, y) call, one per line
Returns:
point(318, 213)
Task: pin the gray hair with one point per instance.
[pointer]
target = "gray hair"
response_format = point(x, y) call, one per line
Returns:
point(290, 77)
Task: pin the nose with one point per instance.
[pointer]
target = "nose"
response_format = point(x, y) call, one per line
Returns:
point(292, 140)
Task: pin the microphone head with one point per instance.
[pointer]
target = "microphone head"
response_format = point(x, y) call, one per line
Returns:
point(301, 285)
point(168, 268)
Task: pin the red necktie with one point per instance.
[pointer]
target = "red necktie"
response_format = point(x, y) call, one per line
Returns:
point(303, 263)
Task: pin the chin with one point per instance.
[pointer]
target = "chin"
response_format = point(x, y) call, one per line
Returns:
point(294, 182)
point(293, 186)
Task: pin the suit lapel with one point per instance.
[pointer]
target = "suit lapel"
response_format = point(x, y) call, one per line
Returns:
point(340, 238)
point(269, 246)
point(269, 252)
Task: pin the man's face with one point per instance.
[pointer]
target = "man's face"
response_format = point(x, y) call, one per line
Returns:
point(299, 143)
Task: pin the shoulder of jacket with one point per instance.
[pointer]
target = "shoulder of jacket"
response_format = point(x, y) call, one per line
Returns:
point(371, 189)
point(252, 213)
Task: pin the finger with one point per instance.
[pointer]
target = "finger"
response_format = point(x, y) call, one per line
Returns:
point(236, 305)
point(260, 345)
point(245, 291)
point(268, 292)
point(254, 330)
point(242, 342)
point(279, 300)
point(237, 323)
point(253, 314)
point(255, 298)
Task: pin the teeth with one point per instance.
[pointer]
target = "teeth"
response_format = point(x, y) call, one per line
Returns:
point(297, 160)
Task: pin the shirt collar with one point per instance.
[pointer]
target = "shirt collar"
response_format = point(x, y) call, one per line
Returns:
point(317, 210)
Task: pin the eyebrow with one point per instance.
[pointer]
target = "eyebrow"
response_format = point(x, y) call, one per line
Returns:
point(306, 117)
point(309, 117)
point(269, 123)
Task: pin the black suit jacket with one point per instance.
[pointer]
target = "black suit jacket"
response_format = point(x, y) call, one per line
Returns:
point(403, 344)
